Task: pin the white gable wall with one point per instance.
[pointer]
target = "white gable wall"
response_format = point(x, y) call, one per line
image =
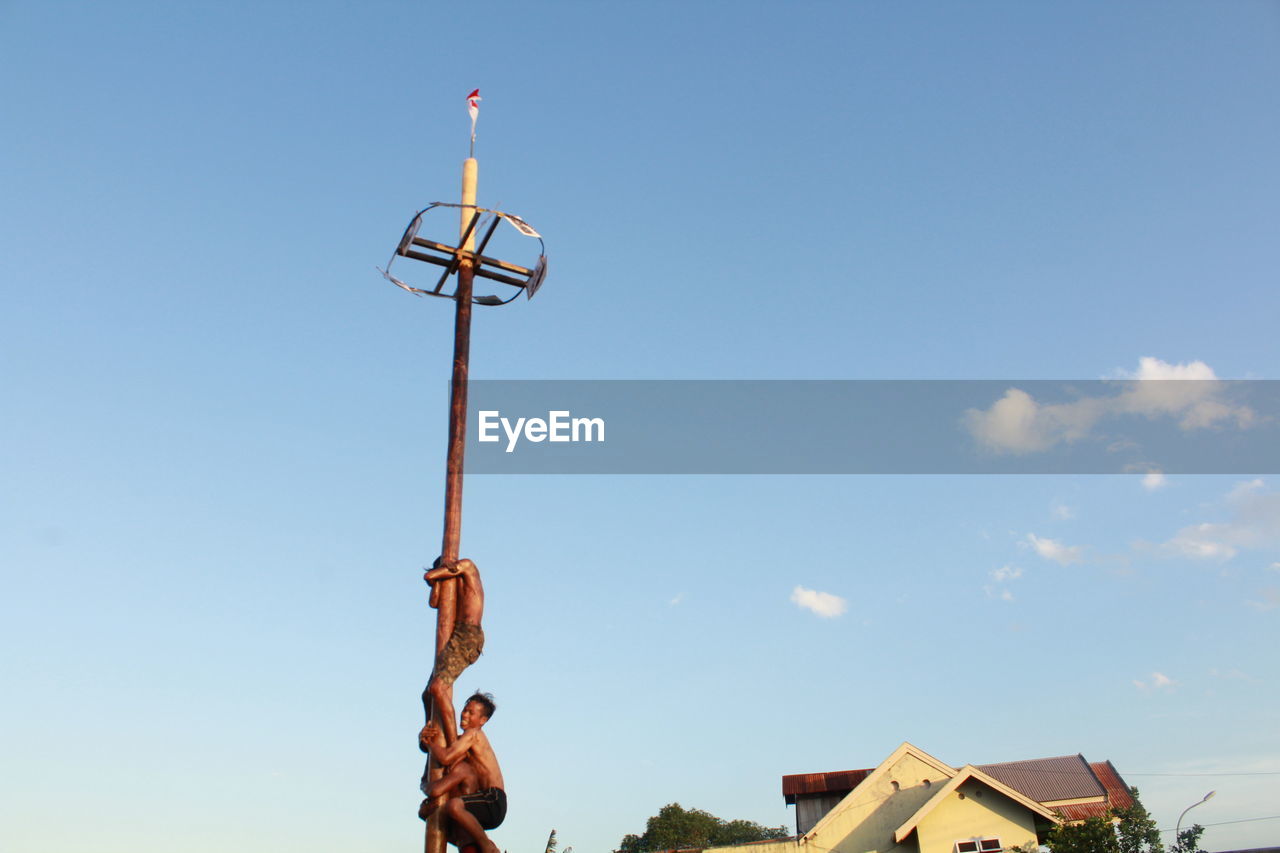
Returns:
point(865, 820)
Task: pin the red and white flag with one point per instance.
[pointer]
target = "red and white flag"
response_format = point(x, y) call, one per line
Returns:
point(473, 109)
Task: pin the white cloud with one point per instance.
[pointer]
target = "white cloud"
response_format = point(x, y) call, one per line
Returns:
point(1006, 573)
point(1052, 549)
point(1275, 567)
point(1254, 524)
point(679, 597)
point(1153, 480)
point(1269, 599)
point(1244, 489)
point(1154, 368)
point(1233, 675)
point(1000, 593)
point(823, 604)
point(1018, 424)
point(1201, 542)
point(1196, 399)
point(1158, 681)
point(1063, 512)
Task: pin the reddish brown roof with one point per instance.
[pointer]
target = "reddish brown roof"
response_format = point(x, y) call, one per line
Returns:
point(822, 783)
point(740, 844)
point(1081, 811)
point(1118, 794)
point(1046, 780)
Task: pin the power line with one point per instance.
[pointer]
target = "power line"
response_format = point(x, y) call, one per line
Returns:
point(1241, 820)
point(1224, 773)
point(1077, 772)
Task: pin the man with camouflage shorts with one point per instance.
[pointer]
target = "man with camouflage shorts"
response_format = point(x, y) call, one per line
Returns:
point(463, 647)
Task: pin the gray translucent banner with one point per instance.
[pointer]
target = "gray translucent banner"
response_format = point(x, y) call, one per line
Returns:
point(874, 427)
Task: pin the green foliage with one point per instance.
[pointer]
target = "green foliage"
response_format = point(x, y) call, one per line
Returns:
point(1137, 832)
point(675, 826)
point(1188, 840)
point(1094, 835)
point(1133, 831)
point(742, 831)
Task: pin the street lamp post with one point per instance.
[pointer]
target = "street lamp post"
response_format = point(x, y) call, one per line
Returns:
point(1177, 832)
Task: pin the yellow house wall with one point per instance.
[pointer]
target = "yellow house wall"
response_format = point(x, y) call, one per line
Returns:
point(864, 822)
point(991, 815)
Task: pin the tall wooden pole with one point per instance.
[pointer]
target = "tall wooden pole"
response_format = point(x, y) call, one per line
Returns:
point(448, 598)
point(458, 386)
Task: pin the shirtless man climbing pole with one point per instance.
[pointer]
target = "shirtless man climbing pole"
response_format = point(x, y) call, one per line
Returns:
point(486, 808)
point(465, 643)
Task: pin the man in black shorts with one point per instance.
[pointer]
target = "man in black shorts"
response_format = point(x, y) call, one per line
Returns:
point(484, 808)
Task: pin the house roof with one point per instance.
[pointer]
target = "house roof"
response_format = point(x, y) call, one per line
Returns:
point(821, 783)
point(966, 773)
point(1045, 780)
point(1048, 780)
point(1073, 788)
point(1119, 794)
point(759, 843)
point(1073, 812)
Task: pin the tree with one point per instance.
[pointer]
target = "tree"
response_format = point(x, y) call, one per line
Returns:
point(675, 826)
point(1136, 832)
point(551, 844)
point(1129, 830)
point(1188, 840)
point(1093, 835)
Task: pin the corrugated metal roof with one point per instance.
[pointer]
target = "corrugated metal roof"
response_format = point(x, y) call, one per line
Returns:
point(1118, 794)
point(1081, 811)
point(761, 841)
point(1045, 780)
point(718, 846)
point(822, 783)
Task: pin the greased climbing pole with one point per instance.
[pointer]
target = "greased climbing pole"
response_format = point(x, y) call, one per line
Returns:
point(447, 597)
point(465, 261)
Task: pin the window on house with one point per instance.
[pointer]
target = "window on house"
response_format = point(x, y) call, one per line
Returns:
point(979, 845)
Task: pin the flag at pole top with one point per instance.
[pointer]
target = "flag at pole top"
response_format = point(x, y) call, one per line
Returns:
point(473, 109)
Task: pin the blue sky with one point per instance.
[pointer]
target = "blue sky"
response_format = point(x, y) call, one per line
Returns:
point(223, 450)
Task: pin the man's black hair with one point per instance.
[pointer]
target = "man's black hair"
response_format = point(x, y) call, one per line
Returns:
point(484, 700)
